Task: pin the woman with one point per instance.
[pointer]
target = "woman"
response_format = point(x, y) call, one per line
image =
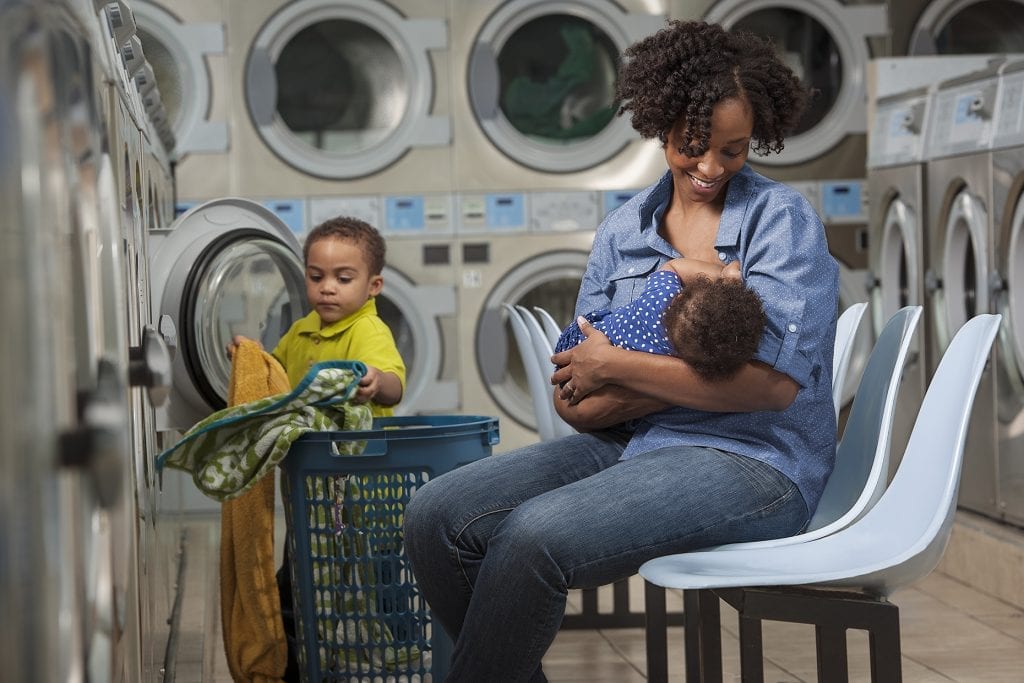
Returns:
point(667, 462)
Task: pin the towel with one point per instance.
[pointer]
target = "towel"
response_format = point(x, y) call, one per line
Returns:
point(254, 640)
point(232, 449)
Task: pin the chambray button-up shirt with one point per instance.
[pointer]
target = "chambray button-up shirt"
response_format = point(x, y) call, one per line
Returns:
point(780, 243)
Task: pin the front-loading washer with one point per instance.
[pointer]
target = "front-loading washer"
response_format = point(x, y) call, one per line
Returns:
point(533, 95)
point(956, 27)
point(1008, 222)
point(828, 43)
point(960, 259)
point(529, 249)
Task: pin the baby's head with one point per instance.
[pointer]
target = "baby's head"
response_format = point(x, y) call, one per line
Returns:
point(715, 326)
point(353, 231)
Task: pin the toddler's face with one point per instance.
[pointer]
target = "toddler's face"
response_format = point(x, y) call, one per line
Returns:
point(338, 279)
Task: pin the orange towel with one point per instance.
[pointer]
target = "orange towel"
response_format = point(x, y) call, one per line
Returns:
point(254, 640)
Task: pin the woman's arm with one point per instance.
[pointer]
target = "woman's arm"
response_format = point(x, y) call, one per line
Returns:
point(665, 380)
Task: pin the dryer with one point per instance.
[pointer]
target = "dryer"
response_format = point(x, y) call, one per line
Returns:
point(321, 97)
point(1008, 222)
point(828, 44)
point(959, 260)
point(519, 248)
point(956, 27)
point(533, 95)
point(418, 301)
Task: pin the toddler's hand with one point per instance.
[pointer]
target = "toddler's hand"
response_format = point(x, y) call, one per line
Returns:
point(732, 271)
point(369, 386)
point(235, 341)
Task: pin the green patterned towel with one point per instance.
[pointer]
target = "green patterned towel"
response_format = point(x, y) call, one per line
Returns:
point(234, 448)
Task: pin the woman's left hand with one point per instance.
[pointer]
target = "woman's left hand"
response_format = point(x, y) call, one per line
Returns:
point(579, 368)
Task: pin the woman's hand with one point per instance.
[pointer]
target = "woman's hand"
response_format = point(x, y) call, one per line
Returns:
point(579, 368)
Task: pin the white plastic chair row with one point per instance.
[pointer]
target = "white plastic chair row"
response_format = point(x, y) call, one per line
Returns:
point(891, 544)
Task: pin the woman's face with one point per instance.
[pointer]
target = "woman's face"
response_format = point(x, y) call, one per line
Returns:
point(703, 179)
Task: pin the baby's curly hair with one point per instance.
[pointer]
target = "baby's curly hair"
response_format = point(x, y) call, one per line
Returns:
point(715, 326)
point(352, 230)
point(684, 70)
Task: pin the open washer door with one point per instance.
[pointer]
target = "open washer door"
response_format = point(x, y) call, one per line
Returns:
point(224, 268)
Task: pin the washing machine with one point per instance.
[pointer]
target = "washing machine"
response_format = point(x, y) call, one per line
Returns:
point(959, 260)
point(828, 44)
point(324, 97)
point(533, 90)
point(520, 248)
point(956, 27)
point(1008, 221)
point(419, 298)
point(185, 58)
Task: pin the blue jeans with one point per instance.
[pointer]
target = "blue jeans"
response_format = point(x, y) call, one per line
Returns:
point(496, 544)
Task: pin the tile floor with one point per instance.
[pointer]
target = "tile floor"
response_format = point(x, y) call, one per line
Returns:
point(950, 632)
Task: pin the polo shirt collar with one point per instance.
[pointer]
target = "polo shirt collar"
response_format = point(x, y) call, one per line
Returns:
point(311, 323)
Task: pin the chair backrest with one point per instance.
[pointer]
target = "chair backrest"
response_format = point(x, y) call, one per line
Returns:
point(911, 523)
point(846, 332)
point(862, 458)
point(551, 328)
point(543, 347)
point(540, 389)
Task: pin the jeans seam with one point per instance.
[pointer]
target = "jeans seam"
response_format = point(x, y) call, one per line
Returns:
point(455, 540)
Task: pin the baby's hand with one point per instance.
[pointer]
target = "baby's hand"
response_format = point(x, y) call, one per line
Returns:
point(369, 386)
point(235, 341)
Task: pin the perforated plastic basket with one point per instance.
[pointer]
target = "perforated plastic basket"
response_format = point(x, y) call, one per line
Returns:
point(359, 613)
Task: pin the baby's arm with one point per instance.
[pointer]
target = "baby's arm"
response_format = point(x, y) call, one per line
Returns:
point(235, 341)
point(689, 269)
point(383, 388)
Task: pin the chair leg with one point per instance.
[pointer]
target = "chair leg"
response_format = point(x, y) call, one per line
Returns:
point(656, 633)
point(830, 641)
point(886, 653)
point(752, 651)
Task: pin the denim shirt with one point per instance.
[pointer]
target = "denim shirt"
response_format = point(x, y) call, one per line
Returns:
point(780, 243)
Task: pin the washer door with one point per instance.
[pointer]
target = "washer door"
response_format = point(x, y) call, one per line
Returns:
point(412, 312)
point(826, 44)
point(551, 281)
point(226, 267)
point(342, 89)
point(964, 268)
point(175, 52)
point(964, 27)
point(899, 264)
point(1011, 306)
point(553, 109)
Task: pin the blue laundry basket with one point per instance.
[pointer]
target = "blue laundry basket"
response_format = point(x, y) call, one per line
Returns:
point(359, 612)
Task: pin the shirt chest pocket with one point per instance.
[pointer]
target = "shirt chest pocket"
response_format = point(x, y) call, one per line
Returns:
point(628, 280)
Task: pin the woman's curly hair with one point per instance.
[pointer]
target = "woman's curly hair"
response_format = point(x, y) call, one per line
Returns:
point(715, 326)
point(684, 70)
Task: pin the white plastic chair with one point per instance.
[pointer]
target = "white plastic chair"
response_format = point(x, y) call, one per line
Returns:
point(846, 333)
point(539, 386)
point(898, 541)
point(542, 349)
point(551, 328)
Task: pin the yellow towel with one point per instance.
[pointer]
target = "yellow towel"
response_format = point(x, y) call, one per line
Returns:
point(254, 640)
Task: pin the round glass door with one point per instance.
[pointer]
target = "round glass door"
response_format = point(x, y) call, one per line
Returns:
point(552, 282)
point(964, 268)
point(827, 48)
point(899, 264)
point(552, 109)
point(1012, 336)
point(243, 285)
point(342, 89)
point(959, 27)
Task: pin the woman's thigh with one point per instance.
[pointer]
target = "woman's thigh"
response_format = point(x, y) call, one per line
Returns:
point(602, 528)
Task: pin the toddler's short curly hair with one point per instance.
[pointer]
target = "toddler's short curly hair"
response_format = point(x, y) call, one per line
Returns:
point(352, 230)
point(684, 70)
point(715, 326)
